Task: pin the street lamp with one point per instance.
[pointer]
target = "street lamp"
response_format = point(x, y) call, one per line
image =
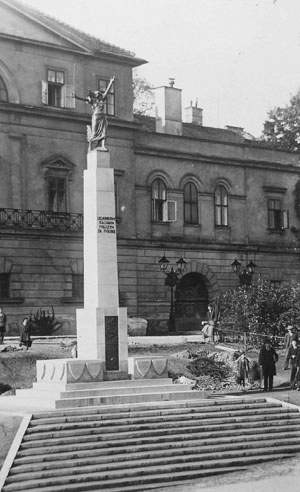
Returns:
point(245, 273)
point(172, 276)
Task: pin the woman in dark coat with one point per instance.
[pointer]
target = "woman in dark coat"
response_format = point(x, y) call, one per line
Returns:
point(25, 333)
point(267, 360)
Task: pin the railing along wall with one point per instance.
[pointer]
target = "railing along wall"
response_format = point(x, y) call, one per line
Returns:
point(13, 218)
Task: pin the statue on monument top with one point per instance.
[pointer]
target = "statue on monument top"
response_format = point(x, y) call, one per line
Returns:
point(96, 132)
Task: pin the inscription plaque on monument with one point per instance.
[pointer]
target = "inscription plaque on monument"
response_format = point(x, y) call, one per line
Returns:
point(111, 343)
point(106, 225)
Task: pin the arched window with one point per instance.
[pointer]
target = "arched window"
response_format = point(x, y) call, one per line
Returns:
point(221, 206)
point(159, 196)
point(190, 199)
point(3, 91)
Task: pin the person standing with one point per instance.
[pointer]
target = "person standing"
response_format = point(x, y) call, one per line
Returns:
point(287, 343)
point(25, 338)
point(292, 356)
point(3, 319)
point(267, 361)
point(243, 366)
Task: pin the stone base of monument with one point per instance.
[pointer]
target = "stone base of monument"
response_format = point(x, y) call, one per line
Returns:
point(71, 383)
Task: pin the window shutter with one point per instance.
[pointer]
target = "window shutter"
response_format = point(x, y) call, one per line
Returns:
point(285, 219)
point(169, 211)
point(44, 92)
point(68, 96)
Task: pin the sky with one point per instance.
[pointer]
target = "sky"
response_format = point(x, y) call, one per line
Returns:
point(239, 58)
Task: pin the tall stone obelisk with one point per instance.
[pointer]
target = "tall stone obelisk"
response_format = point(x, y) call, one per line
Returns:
point(101, 324)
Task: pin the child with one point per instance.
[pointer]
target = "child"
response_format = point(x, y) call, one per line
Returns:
point(243, 365)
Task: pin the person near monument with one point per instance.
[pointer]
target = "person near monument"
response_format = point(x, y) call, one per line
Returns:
point(293, 356)
point(96, 133)
point(243, 368)
point(290, 334)
point(25, 335)
point(3, 319)
point(267, 360)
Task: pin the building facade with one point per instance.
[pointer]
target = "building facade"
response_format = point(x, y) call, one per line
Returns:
point(182, 189)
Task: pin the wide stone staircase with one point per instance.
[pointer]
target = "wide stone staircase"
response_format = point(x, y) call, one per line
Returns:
point(150, 444)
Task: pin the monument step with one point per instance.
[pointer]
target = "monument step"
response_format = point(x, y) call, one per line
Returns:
point(212, 451)
point(180, 394)
point(106, 384)
point(163, 388)
point(165, 422)
point(134, 436)
point(47, 459)
point(141, 417)
point(130, 474)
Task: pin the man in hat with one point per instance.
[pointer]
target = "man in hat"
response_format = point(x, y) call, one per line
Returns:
point(267, 361)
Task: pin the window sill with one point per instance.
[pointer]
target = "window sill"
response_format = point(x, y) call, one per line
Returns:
point(154, 222)
point(222, 227)
point(71, 300)
point(186, 224)
point(11, 300)
point(276, 231)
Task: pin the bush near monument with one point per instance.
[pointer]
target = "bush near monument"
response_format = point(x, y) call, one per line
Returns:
point(261, 308)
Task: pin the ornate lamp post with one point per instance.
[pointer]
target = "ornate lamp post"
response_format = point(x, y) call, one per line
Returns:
point(171, 280)
point(245, 273)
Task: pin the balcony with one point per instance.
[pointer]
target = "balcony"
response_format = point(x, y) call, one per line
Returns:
point(17, 219)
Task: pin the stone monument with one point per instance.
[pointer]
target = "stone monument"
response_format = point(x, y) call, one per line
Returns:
point(101, 324)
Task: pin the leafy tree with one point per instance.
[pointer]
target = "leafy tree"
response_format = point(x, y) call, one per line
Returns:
point(282, 128)
point(261, 308)
point(143, 98)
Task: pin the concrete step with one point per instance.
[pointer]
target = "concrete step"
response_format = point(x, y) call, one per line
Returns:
point(209, 451)
point(161, 427)
point(147, 406)
point(130, 473)
point(104, 421)
point(121, 451)
point(150, 461)
point(146, 484)
point(172, 413)
point(136, 437)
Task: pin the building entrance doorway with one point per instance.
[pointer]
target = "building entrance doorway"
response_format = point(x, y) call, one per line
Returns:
point(191, 302)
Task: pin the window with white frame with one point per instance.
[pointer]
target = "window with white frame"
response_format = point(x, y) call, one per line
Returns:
point(221, 206)
point(55, 92)
point(109, 105)
point(159, 198)
point(190, 200)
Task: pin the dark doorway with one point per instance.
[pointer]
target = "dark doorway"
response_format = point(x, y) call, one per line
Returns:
point(191, 302)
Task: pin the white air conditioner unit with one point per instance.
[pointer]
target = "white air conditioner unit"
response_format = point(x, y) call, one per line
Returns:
point(169, 211)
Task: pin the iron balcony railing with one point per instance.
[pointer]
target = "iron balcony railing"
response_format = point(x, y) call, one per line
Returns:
point(13, 218)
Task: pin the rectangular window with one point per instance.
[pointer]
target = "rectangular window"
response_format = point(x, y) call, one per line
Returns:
point(4, 285)
point(77, 286)
point(56, 80)
point(55, 92)
point(109, 107)
point(57, 196)
point(274, 214)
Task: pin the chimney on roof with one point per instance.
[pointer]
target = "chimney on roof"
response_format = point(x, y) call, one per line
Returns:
point(168, 109)
point(236, 129)
point(193, 114)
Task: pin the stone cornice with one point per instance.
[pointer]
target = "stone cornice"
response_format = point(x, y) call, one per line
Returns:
point(215, 159)
point(61, 114)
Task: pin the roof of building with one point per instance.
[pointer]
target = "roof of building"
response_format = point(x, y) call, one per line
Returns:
point(86, 41)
